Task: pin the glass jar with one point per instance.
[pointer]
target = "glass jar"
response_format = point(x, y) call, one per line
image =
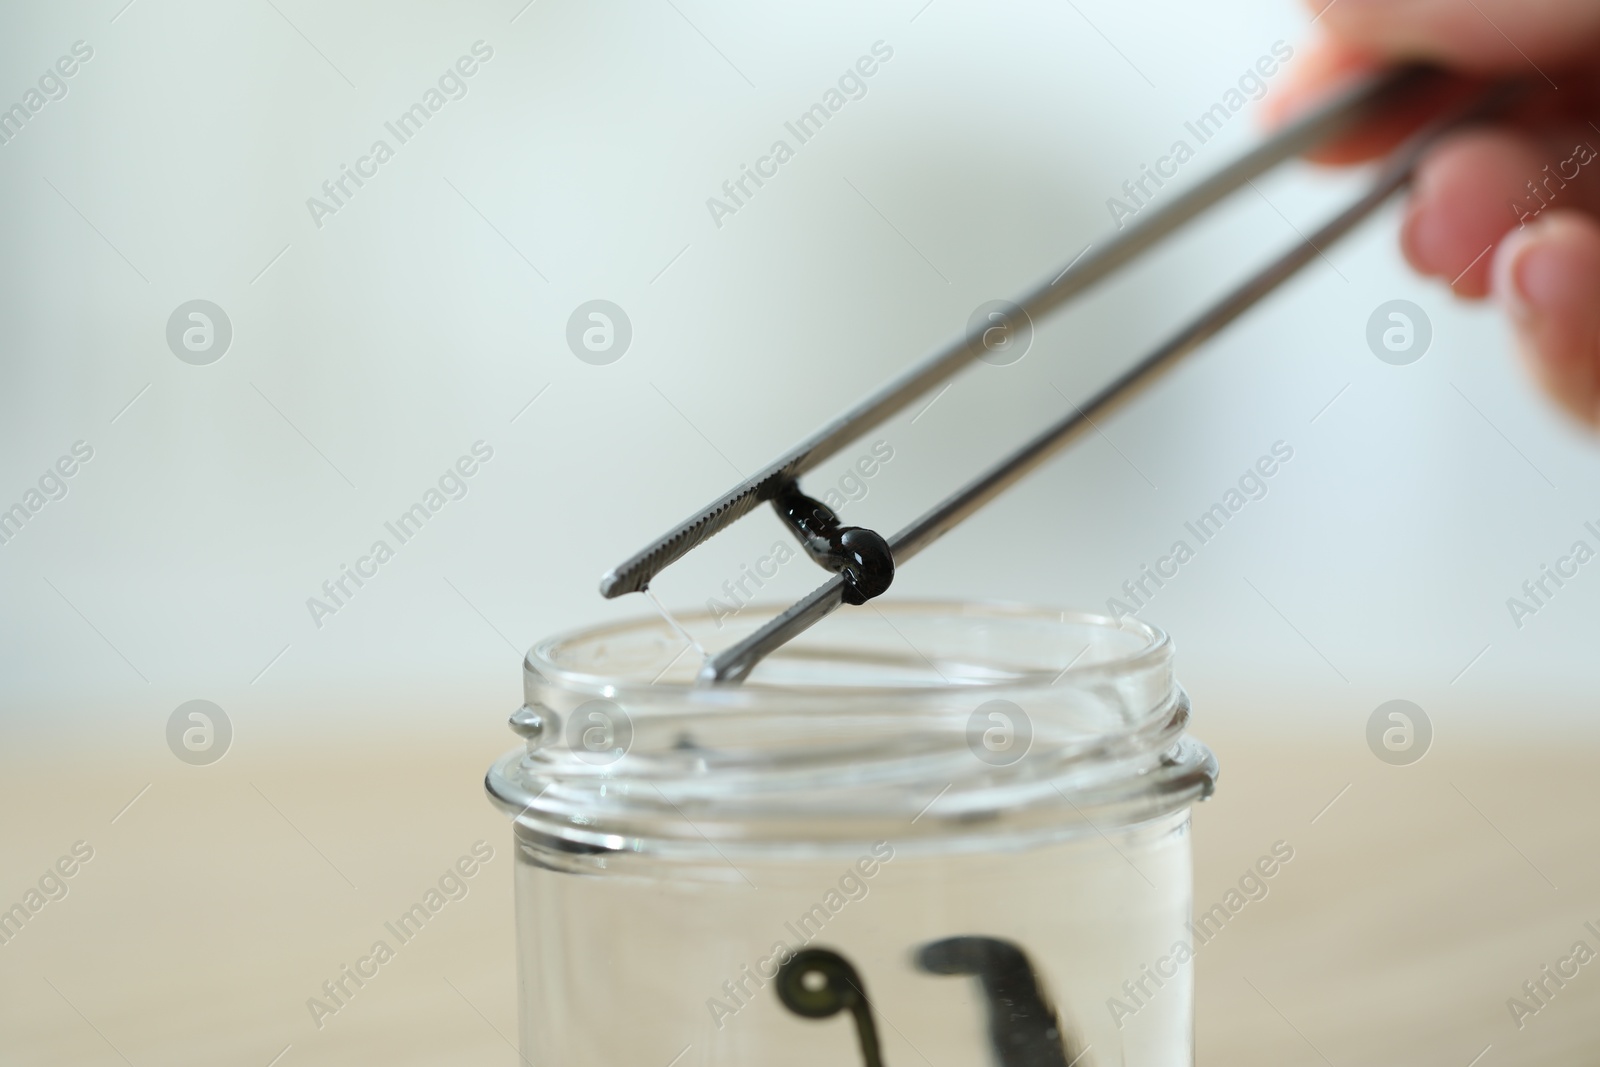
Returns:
point(921, 833)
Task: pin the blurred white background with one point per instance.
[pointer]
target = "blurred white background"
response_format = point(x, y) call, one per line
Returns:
point(370, 352)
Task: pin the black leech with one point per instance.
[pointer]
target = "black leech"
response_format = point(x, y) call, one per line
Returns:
point(817, 983)
point(1023, 1027)
point(860, 556)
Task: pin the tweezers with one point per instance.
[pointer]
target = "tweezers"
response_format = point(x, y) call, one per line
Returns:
point(1373, 96)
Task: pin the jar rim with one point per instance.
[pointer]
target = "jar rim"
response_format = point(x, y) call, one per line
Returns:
point(543, 657)
point(619, 761)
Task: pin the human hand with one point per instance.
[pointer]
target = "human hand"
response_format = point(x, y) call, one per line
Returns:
point(1512, 209)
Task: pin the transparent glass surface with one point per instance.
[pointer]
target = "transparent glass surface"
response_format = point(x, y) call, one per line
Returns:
point(960, 828)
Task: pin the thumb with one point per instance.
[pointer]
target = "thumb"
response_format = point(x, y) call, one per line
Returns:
point(1481, 36)
point(1548, 278)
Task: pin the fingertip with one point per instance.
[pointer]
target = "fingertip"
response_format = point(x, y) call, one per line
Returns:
point(1460, 207)
point(1327, 66)
point(1317, 71)
point(1547, 276)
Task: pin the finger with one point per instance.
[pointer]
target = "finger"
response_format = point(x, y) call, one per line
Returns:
point(1476, 186)
point(1315, 70)
point(1560, 68)
point(1489, 37)
point(1321, 69)
point(1548, 278)
point(1460, 205)
point(1328, 66)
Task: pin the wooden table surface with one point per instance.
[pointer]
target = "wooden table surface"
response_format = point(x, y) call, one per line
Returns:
point(1418, 901)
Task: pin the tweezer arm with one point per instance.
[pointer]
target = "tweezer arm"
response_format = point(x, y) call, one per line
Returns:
point(734, 664)
point(1341, 112)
